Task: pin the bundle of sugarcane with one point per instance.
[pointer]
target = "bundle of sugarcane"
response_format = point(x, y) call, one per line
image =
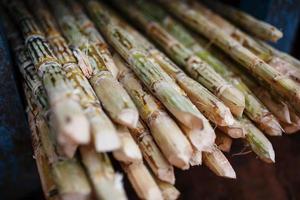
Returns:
point(250, 43)
point(283, 85)
point(159, 109)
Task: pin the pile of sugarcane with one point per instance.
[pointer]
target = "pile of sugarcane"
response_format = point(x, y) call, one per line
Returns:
point(172, 92)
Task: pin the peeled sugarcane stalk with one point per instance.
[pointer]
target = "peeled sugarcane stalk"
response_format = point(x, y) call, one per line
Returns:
point(93, 35)
point(146, 18)
point(42, 162)
point(107, 184)
point(164, 130)
point(114, 98)
point(258, 142)
point(294, 126)
point(129, 151)
point(67, 112)
point(142, 181)
point(256, 27)
point(248, 42)
point(169, 191)
point(157, 81)
point(283, 85)
point(218, 163)
point(102, 129)
point(158, 164)
point(223, 141)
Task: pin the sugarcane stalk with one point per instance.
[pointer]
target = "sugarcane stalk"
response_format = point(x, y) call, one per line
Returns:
point(223, 141)
point(284, 86)
point(146, 18)
point(89, 29)
point(169, 191)
point(69, 117)
point(288, 58)
point(71, 180)
point(248, 42)
point(196, 158)
point(114, 98)
point(158, 164)
point(102, 129)
point(142, 181)
point(107, 184)
point(129, 151)
point(253, 108)
point(206, 102)
point(262, 29)
point(258, 142)
point(42, 162)
point(157, 81)
point(294, 125)
point(68, 175)
point(218, 163)
point(164, 130)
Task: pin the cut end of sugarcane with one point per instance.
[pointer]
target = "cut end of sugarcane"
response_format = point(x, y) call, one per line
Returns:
point(153, 193)
point(77, 128)
point(166, 175)
point(181, 161)
point(234, 131)
point(291, 128)
point(188, 119)
point(235, 100)
point(107, 140)
point(226, 118)
point(129, 118)
point(218, 163)
point(196, 158)
point(272, 127)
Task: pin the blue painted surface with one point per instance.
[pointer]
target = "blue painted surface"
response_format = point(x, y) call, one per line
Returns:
point(284, 14)
point(18, 174)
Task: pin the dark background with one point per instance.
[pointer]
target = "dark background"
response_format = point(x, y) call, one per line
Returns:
point(255, 179)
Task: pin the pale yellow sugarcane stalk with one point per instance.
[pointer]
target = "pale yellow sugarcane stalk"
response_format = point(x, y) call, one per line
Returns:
point(114, 98)
point(89, 29)
point(107, 184)
point(142, 181)
point(129, 151)
point(169, 191)
point(158, 164)
point(69, 117)
point(157, 81)
point(218, 163)
point(223, 141)
point(164, 130)
point(197, 68)
point(71, 180)
point(255, 26)
point(102, 129)
point(248, 42)
point(284, 86)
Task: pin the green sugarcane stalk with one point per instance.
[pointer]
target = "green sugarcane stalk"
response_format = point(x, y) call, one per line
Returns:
point(88, 28)
point(258, 142)
point(67, 112)
point(164, 129)
point(253, 107)
point(256, 27)
point(199, 70)
point(248, 42)
point(284, 86)
point(114, 98)
point(103, 131)
point(157, 81)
